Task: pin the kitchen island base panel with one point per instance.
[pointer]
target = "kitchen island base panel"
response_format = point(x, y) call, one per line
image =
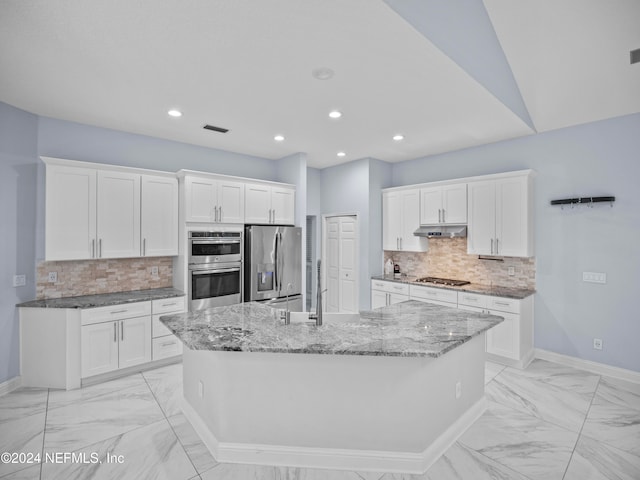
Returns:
point(384, 413)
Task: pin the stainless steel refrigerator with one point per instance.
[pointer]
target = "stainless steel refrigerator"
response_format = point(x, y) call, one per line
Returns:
point(273, 265)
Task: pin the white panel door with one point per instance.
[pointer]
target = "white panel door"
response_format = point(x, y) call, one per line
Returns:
point(341, 267)
point(118, 218)
point(283, 204)
point(98, 348)
point(257, 204)
point(135, 341)
point(201, 199)
point(231, 202)
point(70, 213)
point(482, 218)
point(159, 216)
point(332, 267)
point(348, 273)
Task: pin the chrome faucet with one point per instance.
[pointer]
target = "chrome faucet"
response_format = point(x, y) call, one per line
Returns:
point(318, 315)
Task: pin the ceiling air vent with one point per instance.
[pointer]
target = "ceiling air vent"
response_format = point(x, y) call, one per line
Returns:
point(216, 129)
point(635, 56)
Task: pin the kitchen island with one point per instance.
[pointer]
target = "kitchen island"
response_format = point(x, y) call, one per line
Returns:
point(386, 390)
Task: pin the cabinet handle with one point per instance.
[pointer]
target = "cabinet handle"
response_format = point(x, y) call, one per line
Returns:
point(220, 213)
point(505, 304)
point(169, 304)
point(443, 221)
point(166, 344)
point(274, 215)
point(470, 299)
point(492, 246)
point(93, 248)
point(400, 243)
point(497, 246)
point(439, 215)
point(144, 247)
point(100, 248)
point(397, 287)
point(119, 311)
point(121, 331)
point(115, 332)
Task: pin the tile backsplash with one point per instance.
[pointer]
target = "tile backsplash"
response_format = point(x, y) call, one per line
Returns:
point(88, 277)
point(448, 258)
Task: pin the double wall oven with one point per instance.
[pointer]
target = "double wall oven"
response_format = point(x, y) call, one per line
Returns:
point(215, 268)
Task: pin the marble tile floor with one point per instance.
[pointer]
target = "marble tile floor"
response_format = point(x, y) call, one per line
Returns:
point(547, 422)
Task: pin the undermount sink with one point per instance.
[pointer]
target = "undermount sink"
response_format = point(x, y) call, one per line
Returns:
point(327, 317)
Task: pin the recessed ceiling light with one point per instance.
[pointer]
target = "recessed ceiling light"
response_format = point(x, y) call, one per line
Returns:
point(341, 154)
point(322, 73)
point(335, 114)
point(174, 113)
point(278, 138)
point(398, 137)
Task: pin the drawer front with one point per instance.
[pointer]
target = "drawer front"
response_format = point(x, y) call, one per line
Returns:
point(167, 305)
point(434, 294)
point(164, 347)
point(158, 329)
point(90, 316)
point(502, 304)
point(390, 287)
point(473, 300)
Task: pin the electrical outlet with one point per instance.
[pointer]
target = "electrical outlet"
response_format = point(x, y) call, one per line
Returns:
point(53, 277)
point(154, 271)
point(19, 280)
point(458, 390)
point(511, 271)
point(597, 344)
point(594, 277)
point(200, 389)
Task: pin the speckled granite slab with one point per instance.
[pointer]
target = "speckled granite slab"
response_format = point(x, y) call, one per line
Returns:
point(105, 299)
point(407, 329)
point(506, 292)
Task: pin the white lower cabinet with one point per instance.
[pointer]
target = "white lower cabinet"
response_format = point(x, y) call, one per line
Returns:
point(120, 342)
point(387, 293)
point(164, 343)
point(510, 342)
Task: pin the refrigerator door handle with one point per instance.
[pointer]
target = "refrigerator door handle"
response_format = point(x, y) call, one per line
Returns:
point(275, 262)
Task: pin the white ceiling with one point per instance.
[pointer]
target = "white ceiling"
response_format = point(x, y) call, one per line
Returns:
point(246, 66)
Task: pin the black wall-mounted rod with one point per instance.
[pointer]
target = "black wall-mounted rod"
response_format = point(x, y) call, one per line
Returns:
point(580, 200)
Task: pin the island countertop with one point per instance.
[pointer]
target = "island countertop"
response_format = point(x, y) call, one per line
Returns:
point(407, 329)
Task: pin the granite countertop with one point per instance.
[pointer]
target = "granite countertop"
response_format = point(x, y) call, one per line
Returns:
point(496, 291)
point(104, 299)
point(407, 329)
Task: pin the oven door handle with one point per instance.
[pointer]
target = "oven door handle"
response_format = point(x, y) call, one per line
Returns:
point(217, 270)
point(213, 242)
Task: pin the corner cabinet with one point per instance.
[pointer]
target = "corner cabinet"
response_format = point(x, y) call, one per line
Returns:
point(400, 218)
point(105, 212)
point(501, 216)
point(269, 204)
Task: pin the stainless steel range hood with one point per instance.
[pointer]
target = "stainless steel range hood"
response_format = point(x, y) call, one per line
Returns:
point(441, 231)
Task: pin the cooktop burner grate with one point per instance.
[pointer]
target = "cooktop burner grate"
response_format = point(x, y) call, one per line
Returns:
point(442, 281)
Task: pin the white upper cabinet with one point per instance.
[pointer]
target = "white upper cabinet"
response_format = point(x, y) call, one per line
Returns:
point(267, 204)
point(212, 200)
point(118, 217)
point(70, 230)
point(108, 212)
point(500, 217)
point(400, 218)
point(159, 216)
point(445, 204)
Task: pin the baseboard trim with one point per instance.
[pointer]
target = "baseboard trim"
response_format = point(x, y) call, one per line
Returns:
point(589, 366)
point(333, 458)
point(10, 385)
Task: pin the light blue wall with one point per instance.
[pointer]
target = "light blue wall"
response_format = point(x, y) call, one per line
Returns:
point(599, 158)
point(75, 141)
point(380, 176)
point(18, 193)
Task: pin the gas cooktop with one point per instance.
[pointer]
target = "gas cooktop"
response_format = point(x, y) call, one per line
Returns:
point(442, 281)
